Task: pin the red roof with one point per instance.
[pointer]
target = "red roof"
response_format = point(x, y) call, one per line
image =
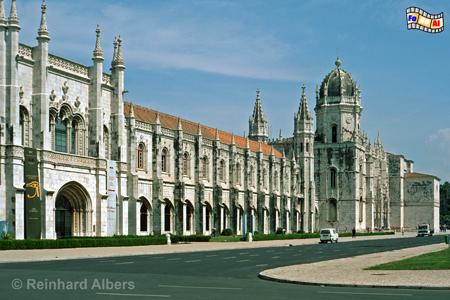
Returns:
point(147, 115)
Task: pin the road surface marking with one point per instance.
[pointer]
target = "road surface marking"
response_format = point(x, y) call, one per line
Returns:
point(360, 293)
point(133, 295)
point(212, 255)
point(243, 253)
point(125, 263)
point(262, 265)
point(191, 261)
point(243, 260)
point(230, 257)
point(198, 287)
point(177, 258)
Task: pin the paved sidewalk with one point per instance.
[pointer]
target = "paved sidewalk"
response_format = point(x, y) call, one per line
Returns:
point(350, 271)
point(74, 253)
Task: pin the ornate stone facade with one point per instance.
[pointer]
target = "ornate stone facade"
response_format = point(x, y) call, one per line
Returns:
point(110, 167)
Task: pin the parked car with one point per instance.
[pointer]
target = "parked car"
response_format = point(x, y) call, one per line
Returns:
point(424, 230)
point(328, 235)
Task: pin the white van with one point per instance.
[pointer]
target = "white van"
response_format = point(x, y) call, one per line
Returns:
point(424, 230)
point(328, 235)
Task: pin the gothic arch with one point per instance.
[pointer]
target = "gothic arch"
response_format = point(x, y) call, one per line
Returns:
point(73, 211)
point(145, 216)
point(68, 130)
point(332, 210)
point(25, 127)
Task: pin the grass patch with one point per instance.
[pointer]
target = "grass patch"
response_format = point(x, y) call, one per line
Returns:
point(439, 260)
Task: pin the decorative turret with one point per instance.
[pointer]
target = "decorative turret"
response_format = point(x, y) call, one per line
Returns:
point(303, 119)
point(117, 116)
point(258, 125)
point(179, 125)
point(338, 108)
point(43, 31)
point(3, 26)
point(98, 52)
point(95, 112)
point(2, 13)
point(199, 129)
point(13, 20)
point(118, 61)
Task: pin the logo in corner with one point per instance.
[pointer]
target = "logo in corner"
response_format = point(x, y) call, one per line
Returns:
point(417, 18)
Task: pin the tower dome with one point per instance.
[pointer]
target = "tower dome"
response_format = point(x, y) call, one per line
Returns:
point(337, 83)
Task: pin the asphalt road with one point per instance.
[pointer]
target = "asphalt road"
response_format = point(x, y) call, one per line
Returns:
point(225, 274)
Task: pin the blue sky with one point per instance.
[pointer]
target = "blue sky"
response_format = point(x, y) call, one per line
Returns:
point(203, 60)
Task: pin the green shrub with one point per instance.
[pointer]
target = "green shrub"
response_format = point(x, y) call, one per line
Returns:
point(347, 234)
point(6, 236)
point(227, 232)
point(189, 238)
point(280, 230)
point(81, 242)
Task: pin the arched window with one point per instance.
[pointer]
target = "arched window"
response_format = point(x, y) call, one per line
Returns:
point(140, 156)
point(164, 160)
point(186, 164)
point(251, 175)
point(106, 142)
point(334, 133)
point(333, 178)
point(168, 216)
point(208, 212)
point(222, 170)
point(144, 215)
point(189, 215)
point(205, 167)
point(307, 147)
point(301, 147)
point(24, 126)
point(60, 135)
point(238, 174)
point(73, 138)
point(332, 210)
point(361, 209)
point(275, 177)
point(264, 178)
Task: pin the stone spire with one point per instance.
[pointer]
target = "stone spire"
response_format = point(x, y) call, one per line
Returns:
point(13, 17)
point(98, 52)
point(131, 110)
point(303, 109)
point(43, 31)
point(179, 126)
point(157, 121)
point(118, 55)
point(2, 12)
point(258, 125)
point(233, 141)
point(199, 129)
point(115, 52)
point(216, 137)
point(247, 143)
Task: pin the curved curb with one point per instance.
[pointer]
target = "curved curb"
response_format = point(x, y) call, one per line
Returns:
point(325, 284)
